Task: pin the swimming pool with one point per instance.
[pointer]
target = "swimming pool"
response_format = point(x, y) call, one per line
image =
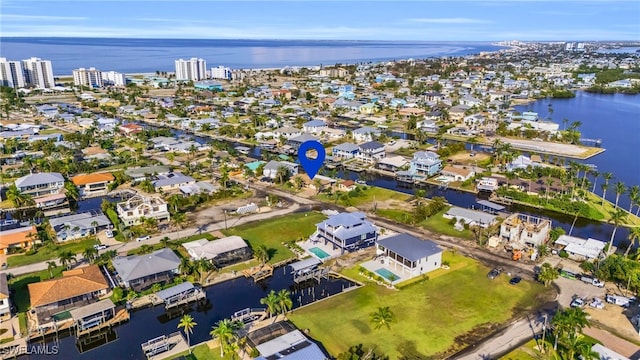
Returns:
point(387, 274)
point(321, 254)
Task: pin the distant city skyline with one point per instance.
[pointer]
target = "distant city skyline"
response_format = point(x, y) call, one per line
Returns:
point(579, 20)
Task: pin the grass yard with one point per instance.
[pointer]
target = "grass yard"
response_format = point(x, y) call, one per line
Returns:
point(433, 317)
point(18, 286)
point(365, 196)
point(176, 244)
point(274, 233)
point(201, 352)
point(51, 251)
point(437, 223)
point(524, 352)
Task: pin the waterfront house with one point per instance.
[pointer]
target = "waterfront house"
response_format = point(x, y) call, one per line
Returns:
point(40, 184)
point(314, 126)
point(345, 151)
point(457, 173)
point(295, 142)
point(94, 314)
point(23, 237)
point(134, 209)
point(5, 302)
point(139, 272)
point(487, 184)
point(146, 172)
point(525, 229)
point(581, 249)
point(221, 252)
point(270, 170)
point(171, 181)
point(426, 163)
point(130, 129)
point(346, 231)
point(77, 287)
point(283, 341)
point(368, 108)
point(75, 226)
point(521, 162)
point(408, 256)
point(371, 152)
point(470, 217)
point(108, 102)
point(286, 132)
point(428, 126)
point(392, 163)
point(366, 133)
point(91, 185)
point(347, 185)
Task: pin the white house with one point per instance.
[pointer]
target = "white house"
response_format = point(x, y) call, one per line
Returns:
point(133, 210)
point(406, 256)
point(270, 170)
point(314, 126)
point(471, 217)
point(40, 184)
point(525, 229)
point(371, 152)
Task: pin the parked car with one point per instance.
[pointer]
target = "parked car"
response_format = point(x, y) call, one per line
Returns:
point(109, 234)
point(391, 143)
point(494, 273)
point(592, 281)
point(100, 246)
point(515, 280)
point(143, 238)
point(577, 302)
point(4, 266)
point(597, 303)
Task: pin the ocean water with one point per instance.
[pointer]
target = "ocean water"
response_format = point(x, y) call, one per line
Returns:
point(149, 55)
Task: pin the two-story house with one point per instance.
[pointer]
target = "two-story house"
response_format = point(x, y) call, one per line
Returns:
point(525, 229)
point(314, 126)
point(5, 303)
point(425, 163)
point(40, 184)
point(93, 184)
point(346, 231)
point(134, 209)
point(371, 152)
point(366, 133)
point(270, 170)
point(345, 151)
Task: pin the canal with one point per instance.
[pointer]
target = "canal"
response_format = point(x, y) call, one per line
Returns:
point(223, 300)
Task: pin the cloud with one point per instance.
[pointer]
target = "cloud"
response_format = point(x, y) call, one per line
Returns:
point(19, 17)
point(450, 21)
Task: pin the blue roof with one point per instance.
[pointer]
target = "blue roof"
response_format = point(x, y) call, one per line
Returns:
point(410, 247)
point(315, 123)
point(345, 219)
point(348, 225)
point(371, 145)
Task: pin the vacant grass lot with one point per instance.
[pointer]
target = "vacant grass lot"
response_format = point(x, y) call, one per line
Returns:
point(436, 223)
point(51, 252)
point(432, 316)
point(201, 352)
point(365, 196)
point(274, 233)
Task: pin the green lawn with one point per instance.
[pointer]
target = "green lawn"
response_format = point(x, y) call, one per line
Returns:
point(51, 251)
point(437, 223)
point(18, 286)
point(201, 352)
point(274, 233)
point(176, 243)
point(365, 196)
point(432, 316)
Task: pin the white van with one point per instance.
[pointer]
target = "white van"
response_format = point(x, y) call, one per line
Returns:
point(619, 300)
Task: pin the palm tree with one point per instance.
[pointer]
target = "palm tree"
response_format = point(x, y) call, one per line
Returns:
point(547, 274)
point(225, 331)
point(606, 176)
point(261, 253)
point(17, 198)
point(284, 301)
point(634, 196)
point(94, 225)
point(569, 323)
point(51, 265)
point(595, 174)
point(204, 267)
point(66, 257)
point(271, 302)
point(620, 189)
point(549, 182)
point(187, 323)
point(90, 253)
point(71, 191)
point(634, 237)
point(382, 317)
point(282, 174)
point(616, 218)
point(185, 267)
point(179, 219)
point(174, 202)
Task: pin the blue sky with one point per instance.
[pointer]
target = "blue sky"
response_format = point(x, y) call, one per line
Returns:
point(341, 20)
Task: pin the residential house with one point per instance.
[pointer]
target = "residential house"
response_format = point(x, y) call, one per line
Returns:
point(581, 249)
point(457, 173)
point(345, 151)
point(286, 132)
point(283, 341)
point(522, 162)
point(40, 184)
point(75, 226)
point(295, 142)
point(433, 97)
point(130, 129)
point(470, 217)
point(108, 102)
point(172, 181)
point(525, 229)
point(91, 185)
point(199, 187)
point(270, 170)
point(392, 163)
point(23, 237)
point(139, 272)
point(146, 172)
point(346, 231)
point(408, 255)
point(425, 163)
point(314, 126)
point(221, 252)
point(470, 101)
point(371, 152)
point(75, 288)
point(428, 126)
point(368, 108)
point(366, 133)
point(134, 209)
point(347, 185)
point(474, 120)
point(412, 111)
point(5, 302)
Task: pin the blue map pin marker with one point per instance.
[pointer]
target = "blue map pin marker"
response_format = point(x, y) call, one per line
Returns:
point(311, 166)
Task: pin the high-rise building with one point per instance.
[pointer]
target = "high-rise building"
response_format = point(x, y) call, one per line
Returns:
point(38, 73)
point(114, 78)
point(221, 72)
point(193, 69)
point(87, 77)
point(11, 73)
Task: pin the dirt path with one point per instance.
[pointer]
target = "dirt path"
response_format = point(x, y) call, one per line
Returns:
point(621, 346)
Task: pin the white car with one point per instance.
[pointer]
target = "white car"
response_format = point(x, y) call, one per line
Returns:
point(143, 238)
point(597, 303)
point(100, 246)
point(577, 303)
point(109, 234)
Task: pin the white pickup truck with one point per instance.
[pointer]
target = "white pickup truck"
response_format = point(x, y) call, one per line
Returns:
point(592, 281)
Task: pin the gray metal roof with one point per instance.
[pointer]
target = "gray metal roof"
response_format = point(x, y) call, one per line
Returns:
point(349, 147)
point(367, 130)
point(82, 221)
point(371, 145)
point(304, 137)
point(491, 205)
point(306, 263)
point(203, 249)
point(174, 290)
point(172, 179)
point(134, 266)
point(284, 347)
point(479, 216)
point(4, 287)
point(142, 171)
point(38, 179)
point(91, 309)
point(410, 247)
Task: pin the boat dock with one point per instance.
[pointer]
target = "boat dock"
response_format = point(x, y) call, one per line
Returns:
point(308, 269)
point(180, 294)
point(121, 316)
point(165, 346)
point(250, 315)
point(260, 272)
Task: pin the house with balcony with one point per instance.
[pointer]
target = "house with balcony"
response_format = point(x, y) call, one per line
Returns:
point(22, 237)
point(406, 256)
point(371, 152)
point(426, 163)
point(40, 184)
point(525, 229)
point(134, 209)
point(346, 232)
point(345, 151)
point(77, 287)
point(92, 185)
point(366, 133)
point(140, 272)
point(314, 126)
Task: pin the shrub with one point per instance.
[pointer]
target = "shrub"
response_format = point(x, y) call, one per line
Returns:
point(563, 254)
